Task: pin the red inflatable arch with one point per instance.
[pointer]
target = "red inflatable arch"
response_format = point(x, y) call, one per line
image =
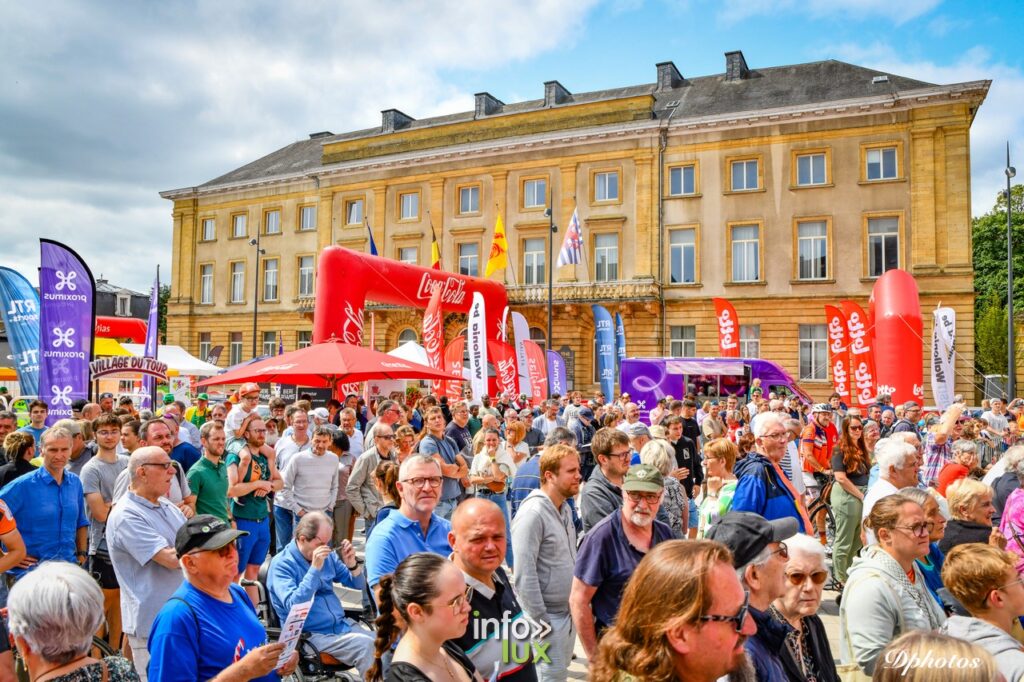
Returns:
point(899, 344)
point(346, 279)
point(121, 328)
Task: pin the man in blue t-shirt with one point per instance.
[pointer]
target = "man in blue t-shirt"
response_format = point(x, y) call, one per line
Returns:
point(37, 413)
point(446, 453)
point(611, 551)
point(209, 626)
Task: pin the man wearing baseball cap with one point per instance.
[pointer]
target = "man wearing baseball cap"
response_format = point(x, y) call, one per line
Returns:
point(198, 413)
point(908, 422)
point(611, 551)
point(208, 628)
point(248, 399)
point(759, 556)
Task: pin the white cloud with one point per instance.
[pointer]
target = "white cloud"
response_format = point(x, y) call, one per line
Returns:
point(898, 13)
point(106, 104)
point(999, 119)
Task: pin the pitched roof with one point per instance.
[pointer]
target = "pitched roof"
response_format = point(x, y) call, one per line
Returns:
point(769, 88)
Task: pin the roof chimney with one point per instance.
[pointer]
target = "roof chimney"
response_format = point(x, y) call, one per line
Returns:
point(668, 76)
point(322, 133)
point(487, 104)
point(735, 66)
point(393, 119)
point(555, 93)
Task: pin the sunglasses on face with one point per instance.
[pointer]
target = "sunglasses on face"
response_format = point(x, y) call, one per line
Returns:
point(224, 551)
point(798, 578)
point(737, 620)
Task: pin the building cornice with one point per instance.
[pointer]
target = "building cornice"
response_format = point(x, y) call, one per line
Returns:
point(900, 101)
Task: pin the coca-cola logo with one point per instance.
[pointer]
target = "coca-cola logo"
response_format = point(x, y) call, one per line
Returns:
point(453, 290)
point(726, 331)
point(507, 374)
point(352, 328)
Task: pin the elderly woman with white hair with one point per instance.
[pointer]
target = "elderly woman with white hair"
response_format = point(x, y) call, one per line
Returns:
point(674, 502)
point(806, 655)
point(53, 612)
point(970, 505)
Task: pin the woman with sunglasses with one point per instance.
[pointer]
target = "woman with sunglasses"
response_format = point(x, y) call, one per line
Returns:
point(886, 594)
point(850, 464)
point(427, 601)
point(806, 654)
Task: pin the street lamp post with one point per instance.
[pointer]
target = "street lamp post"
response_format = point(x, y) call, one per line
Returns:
point(1011, 345)
point(550, 213)
point(256, 292)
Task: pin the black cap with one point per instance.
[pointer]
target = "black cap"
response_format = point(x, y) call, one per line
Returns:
point(79, 404)
point(747, 534)
point(204, 531)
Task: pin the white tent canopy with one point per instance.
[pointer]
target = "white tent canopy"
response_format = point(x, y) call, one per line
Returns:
point(414, 352)
point(177, 358)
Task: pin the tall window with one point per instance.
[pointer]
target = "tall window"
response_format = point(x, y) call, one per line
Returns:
point(354, 212)
point(746, 247)
point(683, 341)
point(272, 222)
point(883, 245)
point(205, 344)
point(810, 169)
point(682, 254)
point(812, 250)
point(238, 225)
point(235, 348)
point(124, 305)
point(606, 186)
point(744, 175)
point(270, 279)
point(813, 352)
point(409, 203)
point(606, 257)
point(682, 180)
point(538, 336)
point(206, 283)
point(469, 259)
point(881, 163)
point(750, 340)
point(307, 218)
point(209, 229)
point(409, 254)
point(533, 261)
point(305, 275)
point(238, 282)
point(305, 339)
point(535, 193)
point(408, 334)
point(469, 199)
point(270, 343)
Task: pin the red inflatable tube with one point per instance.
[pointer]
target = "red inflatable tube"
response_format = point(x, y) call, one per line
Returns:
point(130, 328)
point(899, 334)
point(346, 279)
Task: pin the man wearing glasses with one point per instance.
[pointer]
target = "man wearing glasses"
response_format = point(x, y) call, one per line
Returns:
point(141, 529)
point(248, 399)
point(762, 487)
point(389, 413)
point(414, 527)
point(360, 490)
point(603, 493)
point(81, 451)
point(759, 555)
point(611, 551)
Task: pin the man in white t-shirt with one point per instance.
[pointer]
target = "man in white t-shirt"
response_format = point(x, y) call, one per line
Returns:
point(898, 464)
point(548, 421)
point(996, 420)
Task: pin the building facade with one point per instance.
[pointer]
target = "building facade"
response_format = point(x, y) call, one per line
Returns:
point(782, 189)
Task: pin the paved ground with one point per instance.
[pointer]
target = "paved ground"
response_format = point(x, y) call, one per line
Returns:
point(829, 613)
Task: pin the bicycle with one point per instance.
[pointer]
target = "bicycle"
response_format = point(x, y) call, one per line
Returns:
point(821, 505)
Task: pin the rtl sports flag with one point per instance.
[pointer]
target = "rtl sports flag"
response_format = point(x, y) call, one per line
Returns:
point(537, 371)
point(838, 350)
point(862, 361)
point(728, 328)
point(620, 343)
point(573, 243)
point(453, 360)
point(433, 336)
point(604, 336)
point(435, 250)
point(19, 305)
point(498, 259)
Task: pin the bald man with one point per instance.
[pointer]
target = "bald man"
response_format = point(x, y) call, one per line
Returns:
point(479, 541)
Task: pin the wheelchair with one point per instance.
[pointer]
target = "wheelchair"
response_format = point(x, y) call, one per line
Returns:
point(314, 665)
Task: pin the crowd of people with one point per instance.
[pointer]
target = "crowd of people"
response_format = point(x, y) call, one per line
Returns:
point(690, 541)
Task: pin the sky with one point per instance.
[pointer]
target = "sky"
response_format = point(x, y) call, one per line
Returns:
point(105, 104)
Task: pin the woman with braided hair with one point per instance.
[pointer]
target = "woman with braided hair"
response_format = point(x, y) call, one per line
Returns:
point(428, 594)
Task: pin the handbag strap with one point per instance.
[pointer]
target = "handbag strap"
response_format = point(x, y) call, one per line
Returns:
point(842, 612)
point(103, 665)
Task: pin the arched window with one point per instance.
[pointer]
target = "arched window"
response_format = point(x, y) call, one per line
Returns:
point(408, 334)
point(538, 336)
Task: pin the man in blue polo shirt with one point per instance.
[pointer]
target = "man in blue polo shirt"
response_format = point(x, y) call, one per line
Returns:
point(415, 527)
point(611, 551)
point(49, 507)
point(307, 568)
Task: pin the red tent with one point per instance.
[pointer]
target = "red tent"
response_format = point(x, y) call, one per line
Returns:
point(324, 365)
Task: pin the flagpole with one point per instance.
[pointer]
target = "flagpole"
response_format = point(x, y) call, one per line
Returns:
point(551, 274)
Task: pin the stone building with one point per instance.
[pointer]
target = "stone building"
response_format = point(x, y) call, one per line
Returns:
point(780, 188)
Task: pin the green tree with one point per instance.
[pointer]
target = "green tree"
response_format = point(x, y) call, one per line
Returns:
point(990, 337)
point(165, 293)
point(988, 236)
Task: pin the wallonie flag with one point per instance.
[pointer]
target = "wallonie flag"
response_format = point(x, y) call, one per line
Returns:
point(570, 253)
point(498, 259)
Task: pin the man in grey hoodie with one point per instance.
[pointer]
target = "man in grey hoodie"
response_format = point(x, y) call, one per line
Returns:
point(984, 580)
point(544, 544)
point(603, 493)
